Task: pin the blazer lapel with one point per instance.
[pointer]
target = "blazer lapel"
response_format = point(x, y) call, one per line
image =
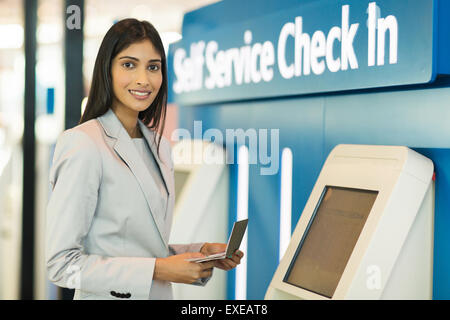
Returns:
point(125, 148)
point(164, 169)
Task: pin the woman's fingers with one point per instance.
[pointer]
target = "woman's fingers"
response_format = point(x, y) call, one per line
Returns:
point(236, 258)
point(206, 269)
point(206, 273)
point(225, 264)
point(194, 255)
point(230, 264)
point(207, 265)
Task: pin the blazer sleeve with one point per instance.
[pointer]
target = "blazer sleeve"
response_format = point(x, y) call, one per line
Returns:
point(75, 178)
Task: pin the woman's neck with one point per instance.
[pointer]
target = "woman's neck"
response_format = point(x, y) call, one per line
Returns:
point(129, 120)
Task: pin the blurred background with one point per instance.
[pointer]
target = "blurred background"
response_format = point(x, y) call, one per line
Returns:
point(47, 56)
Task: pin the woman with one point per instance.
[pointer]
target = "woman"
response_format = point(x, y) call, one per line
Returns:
point(110, 212)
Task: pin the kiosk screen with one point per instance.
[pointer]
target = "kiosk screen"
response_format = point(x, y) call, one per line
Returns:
point(329, 239)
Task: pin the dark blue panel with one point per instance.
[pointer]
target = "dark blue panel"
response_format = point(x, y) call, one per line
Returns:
point(415, 118)
point(441, 259)
point(443, 34)
point(254, 57)
point(225, 13)
point(300, 125)
point(263, 214)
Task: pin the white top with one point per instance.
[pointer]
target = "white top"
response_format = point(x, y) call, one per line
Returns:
point(149, 160)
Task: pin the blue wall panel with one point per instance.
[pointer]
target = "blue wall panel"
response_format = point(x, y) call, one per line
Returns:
point(411, 117)
point(300, 123)
point(311, 127)
point(415, 116)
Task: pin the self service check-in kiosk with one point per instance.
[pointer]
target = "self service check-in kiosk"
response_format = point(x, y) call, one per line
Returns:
point(366, 231)
point(201, 207)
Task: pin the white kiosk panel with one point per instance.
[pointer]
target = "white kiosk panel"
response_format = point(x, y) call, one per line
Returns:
point(365, 221)
point(201, 207)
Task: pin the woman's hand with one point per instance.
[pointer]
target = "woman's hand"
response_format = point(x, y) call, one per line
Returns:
point(224, 264)
point(176, 269)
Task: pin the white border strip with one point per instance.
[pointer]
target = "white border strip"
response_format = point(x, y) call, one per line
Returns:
point(242, 213)
point(285, 201)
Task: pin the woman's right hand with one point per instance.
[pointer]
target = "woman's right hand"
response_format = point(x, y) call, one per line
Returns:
point(176, 269)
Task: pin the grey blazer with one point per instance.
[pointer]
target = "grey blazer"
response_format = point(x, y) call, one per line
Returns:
point(106, 219)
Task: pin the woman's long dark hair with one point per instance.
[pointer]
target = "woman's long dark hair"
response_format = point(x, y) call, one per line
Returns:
point(119, 37)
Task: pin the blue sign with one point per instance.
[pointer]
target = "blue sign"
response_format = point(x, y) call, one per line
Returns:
point(320, 46)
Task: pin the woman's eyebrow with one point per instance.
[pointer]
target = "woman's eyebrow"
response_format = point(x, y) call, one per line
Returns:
point(136, 59)
point(128, 57)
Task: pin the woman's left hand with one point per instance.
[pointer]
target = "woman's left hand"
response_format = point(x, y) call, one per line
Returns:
point(224, 264)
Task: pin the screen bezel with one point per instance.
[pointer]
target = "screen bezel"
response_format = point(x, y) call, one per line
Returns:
point(306, 232)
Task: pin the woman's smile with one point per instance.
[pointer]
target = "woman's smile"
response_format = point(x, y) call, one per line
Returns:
point(140, 94)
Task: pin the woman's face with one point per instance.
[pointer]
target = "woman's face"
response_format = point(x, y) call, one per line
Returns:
point(136, 76)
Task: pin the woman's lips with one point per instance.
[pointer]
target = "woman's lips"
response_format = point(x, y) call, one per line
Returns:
point(140, 94)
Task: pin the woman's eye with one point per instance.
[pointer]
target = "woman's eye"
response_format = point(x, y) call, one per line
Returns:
point(128, 65)
point(153, 67)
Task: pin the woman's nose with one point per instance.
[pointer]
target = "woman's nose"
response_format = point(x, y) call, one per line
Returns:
point(142, 79)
